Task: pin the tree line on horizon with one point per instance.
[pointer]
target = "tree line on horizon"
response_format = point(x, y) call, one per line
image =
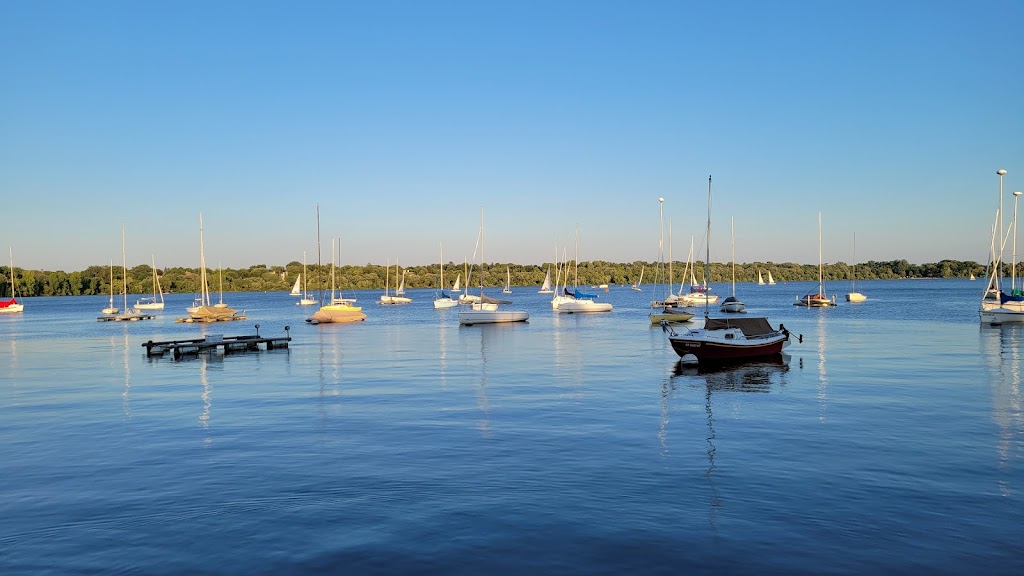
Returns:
point(95, 280)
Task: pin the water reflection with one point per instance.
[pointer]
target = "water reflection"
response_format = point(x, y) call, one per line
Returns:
point(822, 374)
point(754, 377)
point(486, 335)
point(1002, 346)
point(126, 406)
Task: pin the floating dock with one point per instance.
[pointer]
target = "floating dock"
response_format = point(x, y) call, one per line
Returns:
point(191, 320)
point(213, 342)
point(125, 317)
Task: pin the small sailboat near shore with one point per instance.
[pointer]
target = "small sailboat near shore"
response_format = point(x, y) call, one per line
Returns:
point(545, 288)
point(486, 311)
point(155, 302)
point(306, 299)
point(853, 295)
point(128, 315)
point(111, 309)
point(444, 300)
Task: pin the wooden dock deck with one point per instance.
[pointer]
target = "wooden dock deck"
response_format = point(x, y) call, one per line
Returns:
point(213, 342)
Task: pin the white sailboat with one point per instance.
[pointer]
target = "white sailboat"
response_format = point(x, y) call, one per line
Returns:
point(307, 299)
point(111, 309)
point(699, 294)
point(853, 295)
point(545, 288)
point(732, 303)
point(508, 282)
point(297, 288)
point(577, 301)
point(997, 306)
point(456, 287)
point(670, 311)
point(819, 300)
point(387, 298)
point(400, 291)
point(156, 302)
point(771, 281)
point(486, 310)
point(636, 286)
point(220, 278)
point(127, 314)
point(444, 300)
point(760, 279)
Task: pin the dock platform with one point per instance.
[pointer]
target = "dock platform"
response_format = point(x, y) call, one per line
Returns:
point(213, 342)
point(125, 317)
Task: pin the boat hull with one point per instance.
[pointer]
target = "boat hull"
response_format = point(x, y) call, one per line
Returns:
point(583, 307)
point(443, 303)
point(1001, 316)
point(337, 315)
point(484, 314)
point(714, 350)
point(671, 316)
point(12, 309)
point(394, 300)
point(855, 297)
point(152, 306)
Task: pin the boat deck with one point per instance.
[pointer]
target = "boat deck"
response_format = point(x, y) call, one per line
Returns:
point(228, 344)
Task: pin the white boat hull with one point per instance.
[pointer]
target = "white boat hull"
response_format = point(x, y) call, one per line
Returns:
point(489, 314)
point(394, 300)
point(735, 306)
point(575, 306)
point(151, 306)
point(306, 302)
point(1002, 316)
point(443, 303)
point(855, 297)
point(12, 309)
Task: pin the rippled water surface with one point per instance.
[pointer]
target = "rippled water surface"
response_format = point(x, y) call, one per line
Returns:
point(889, 441)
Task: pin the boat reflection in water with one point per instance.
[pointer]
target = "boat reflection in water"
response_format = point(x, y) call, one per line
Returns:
point(756, 377)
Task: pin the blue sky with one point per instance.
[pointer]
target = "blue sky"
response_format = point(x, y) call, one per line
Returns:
point(402, 119)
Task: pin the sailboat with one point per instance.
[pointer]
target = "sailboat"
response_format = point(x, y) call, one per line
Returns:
point(443, 300)
point(341, 310)
point(220, 278)
point(699, 293)
point(636, 286)
point(297, 288)
point(972, 276)
point(508, 282)
point(307, 299)
point(853, 295)
point(466, 297)
point(486, 310)
point(111, 309)
point(400, 291)
point(579, 302)
point(997, 306)
point(760, 279)
point(670, 312)
point(156, 302)
point(456, 287)
point(205, 311)
point(386, 297)
point(128, 314)
point(724, 340)
point(545, 288)
point(731, 303)
point(771, 281)
point(819, 300)
point(11, 306)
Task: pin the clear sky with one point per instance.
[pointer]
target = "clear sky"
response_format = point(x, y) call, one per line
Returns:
point(402, 119)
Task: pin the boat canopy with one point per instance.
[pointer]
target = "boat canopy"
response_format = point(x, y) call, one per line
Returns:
point(488, 300)
point(578, 294)
point(1004, 297)
point(749, 326)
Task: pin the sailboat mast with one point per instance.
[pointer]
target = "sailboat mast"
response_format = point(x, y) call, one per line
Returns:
point(319, 262)
point(732, 239)
point(821, 288)
point(661, 242)
point(707, 251)
point(204, 290)
point(576, 261)
point(124, 270)
point(481, 255)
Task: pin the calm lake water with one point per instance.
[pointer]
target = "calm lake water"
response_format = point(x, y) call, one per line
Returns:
point(890, 441)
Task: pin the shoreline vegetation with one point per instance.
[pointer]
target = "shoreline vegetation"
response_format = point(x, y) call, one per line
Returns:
point(95, 280)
